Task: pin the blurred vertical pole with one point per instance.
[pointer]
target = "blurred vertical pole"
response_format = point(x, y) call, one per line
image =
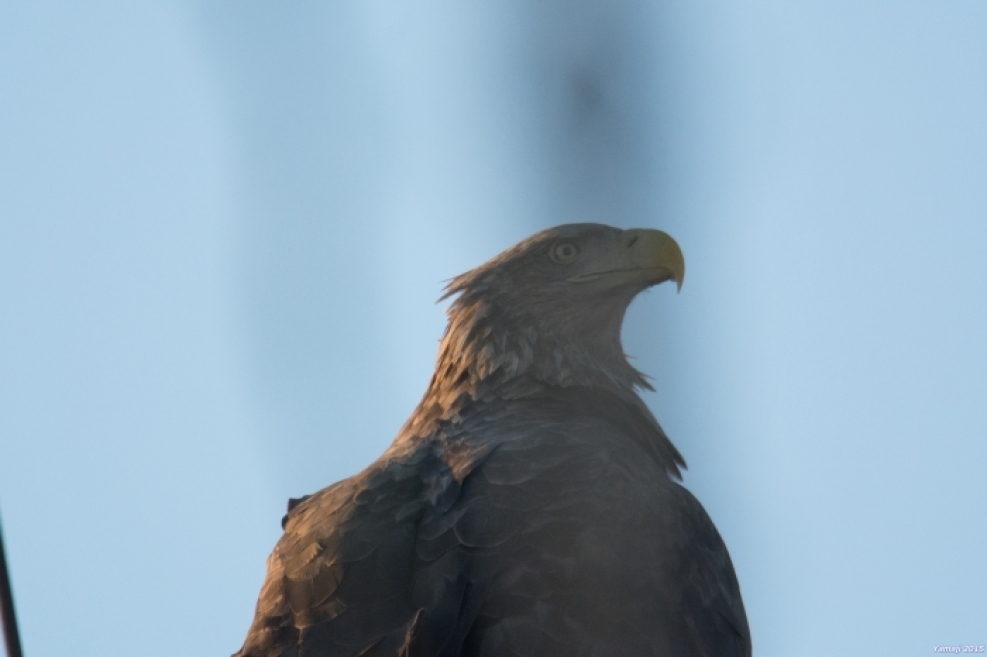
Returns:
point(10, 635)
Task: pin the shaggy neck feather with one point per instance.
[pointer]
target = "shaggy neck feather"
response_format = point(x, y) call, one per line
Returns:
point(489, 352)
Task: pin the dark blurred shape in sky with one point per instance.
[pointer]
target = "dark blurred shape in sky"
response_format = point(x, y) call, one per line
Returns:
point(224, 226)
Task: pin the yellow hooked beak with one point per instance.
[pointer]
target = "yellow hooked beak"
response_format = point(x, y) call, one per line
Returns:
point(641, 255)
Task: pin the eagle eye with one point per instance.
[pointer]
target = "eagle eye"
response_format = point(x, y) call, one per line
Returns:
point(563, 252)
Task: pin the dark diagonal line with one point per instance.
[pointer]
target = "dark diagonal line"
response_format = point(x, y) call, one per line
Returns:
point(10, 634)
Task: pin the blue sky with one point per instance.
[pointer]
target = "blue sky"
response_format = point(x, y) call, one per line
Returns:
point(223, 228)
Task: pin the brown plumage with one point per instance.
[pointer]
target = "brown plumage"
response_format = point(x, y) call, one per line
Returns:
point(530, 505)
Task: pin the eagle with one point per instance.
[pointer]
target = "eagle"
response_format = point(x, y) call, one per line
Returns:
point(531, 506)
